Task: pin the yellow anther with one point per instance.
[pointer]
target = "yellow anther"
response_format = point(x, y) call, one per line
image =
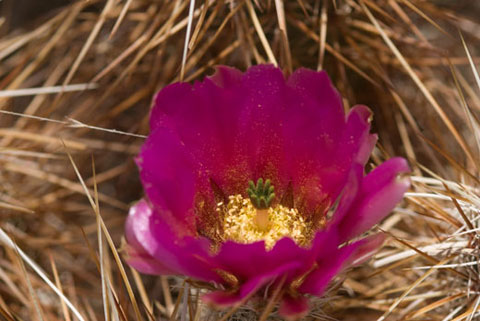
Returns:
point(244, 223)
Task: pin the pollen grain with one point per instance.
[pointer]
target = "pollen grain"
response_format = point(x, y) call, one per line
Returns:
point(239, 223)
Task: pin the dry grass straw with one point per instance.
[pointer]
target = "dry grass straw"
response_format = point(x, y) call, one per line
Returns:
point(76, 85)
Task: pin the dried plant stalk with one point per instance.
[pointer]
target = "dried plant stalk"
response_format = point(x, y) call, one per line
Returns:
point(77, 81)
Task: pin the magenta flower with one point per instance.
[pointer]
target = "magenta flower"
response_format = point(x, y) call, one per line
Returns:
point(240, 171)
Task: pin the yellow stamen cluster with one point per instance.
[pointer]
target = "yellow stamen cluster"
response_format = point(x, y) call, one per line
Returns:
point(239, 223)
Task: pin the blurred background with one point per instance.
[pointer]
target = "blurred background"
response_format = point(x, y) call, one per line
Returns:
point(405, 59)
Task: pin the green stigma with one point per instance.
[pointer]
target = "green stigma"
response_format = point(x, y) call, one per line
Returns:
point(261, 194)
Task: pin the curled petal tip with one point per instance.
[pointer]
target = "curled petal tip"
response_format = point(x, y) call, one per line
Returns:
point(364, 111)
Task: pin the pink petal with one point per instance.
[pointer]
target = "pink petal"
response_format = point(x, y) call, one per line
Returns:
point(314, 125)
point(261, 120)
point(205, 117)
point(320, 164)
point(242, 260)
point(293, 308)
point(221, 299)
point(380, 191)
point(358, 134)
point(226, 77)
point(144, 263)
point(327, 267)
point(330, 264)
point(366, 248)
point(167, 173)
point(152, 239)
point(349, 193)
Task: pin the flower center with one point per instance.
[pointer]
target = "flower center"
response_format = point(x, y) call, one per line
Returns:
point(243, 225)
point(261, 195)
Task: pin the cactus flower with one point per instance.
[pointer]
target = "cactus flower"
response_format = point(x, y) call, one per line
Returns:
point(256, 184)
